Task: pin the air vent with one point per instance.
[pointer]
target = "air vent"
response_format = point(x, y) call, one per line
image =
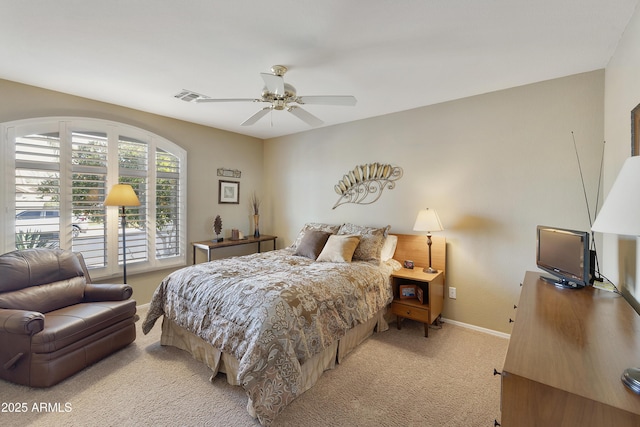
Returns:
point(188, 96)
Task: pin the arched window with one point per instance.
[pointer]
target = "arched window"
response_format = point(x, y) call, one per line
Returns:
point(58, 172)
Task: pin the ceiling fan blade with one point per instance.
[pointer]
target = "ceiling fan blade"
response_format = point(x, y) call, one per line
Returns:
point(257, 116)
point(327, 100)
point(274, 84)
point(305, 116)
point(227, 100)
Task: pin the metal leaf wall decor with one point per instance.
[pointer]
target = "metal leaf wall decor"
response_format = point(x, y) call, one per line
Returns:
point(364, 184)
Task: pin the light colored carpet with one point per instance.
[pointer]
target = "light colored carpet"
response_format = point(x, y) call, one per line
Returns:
point(395, 378)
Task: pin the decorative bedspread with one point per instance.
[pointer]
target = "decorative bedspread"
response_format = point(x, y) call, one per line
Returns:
point(271, 311)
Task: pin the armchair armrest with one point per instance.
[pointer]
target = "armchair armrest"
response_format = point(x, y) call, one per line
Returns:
point(95, 292)
point(21, 322)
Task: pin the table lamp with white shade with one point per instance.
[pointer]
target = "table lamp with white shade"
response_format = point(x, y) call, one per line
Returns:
point(620, 214)
point(122, 195)
point(428, 221)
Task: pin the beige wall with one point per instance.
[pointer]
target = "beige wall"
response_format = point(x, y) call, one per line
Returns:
point(493, 166)
point(207, 150)
point(622, 82)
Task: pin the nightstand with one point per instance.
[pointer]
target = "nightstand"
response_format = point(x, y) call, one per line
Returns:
point(432, 286)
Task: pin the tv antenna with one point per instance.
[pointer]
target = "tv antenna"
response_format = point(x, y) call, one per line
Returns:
point(586, 200)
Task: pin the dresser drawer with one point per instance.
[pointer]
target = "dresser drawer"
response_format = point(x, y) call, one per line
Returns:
point(410, 312)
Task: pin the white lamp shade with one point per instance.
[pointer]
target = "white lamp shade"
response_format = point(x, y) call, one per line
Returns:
point(427, 220)
point(620, 213)
point(122, 195)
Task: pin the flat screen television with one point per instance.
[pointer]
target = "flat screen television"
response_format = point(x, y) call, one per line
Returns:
point(565, 255)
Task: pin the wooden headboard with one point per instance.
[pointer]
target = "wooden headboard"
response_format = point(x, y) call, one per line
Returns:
point(414, 247)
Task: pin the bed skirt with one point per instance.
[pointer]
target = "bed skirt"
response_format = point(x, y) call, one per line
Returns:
point(176, 336)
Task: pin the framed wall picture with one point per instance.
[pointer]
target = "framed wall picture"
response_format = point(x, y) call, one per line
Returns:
point(228, 192)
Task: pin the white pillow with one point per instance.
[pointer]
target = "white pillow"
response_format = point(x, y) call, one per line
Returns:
point(388, 247)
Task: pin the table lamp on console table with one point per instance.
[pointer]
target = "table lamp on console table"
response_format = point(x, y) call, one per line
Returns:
point(428, 221)
point(619, 215)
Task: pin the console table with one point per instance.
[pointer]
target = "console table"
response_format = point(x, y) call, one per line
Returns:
point(209, 245)
point(567, 351)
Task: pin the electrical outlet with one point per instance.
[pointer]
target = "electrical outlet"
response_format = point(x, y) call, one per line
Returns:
point(452, 293)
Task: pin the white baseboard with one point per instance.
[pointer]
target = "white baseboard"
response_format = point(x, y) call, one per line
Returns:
point(477, 328)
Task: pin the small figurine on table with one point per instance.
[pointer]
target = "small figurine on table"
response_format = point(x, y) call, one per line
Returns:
point(217, 228)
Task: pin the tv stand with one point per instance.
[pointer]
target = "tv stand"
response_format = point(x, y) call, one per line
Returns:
point(561, 283)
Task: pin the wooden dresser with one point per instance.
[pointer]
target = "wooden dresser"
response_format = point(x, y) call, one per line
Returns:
point(566, 354)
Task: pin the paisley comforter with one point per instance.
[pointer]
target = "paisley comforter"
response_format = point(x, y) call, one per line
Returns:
point(271, 311)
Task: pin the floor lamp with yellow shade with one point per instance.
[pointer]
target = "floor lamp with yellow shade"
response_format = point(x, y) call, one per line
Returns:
point(122, 195)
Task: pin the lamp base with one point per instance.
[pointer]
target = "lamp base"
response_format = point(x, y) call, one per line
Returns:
point(430, 270)
point(631, 378)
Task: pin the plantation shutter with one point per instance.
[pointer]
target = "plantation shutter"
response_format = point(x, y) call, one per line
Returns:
point(133, 170)
point(37, 190)
point(168, 201)
point(89, 174)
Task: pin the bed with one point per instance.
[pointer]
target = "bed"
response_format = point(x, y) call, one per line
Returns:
point(274, 321)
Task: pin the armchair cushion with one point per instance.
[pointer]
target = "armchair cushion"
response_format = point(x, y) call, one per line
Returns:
point(47, 297)
point(68, 325)
point(31, 267)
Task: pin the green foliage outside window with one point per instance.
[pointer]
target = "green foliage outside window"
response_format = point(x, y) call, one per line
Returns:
point(35, 239)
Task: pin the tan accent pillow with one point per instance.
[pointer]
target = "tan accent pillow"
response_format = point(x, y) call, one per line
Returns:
point(339, 248)
point(371, 241)
point(312, 243)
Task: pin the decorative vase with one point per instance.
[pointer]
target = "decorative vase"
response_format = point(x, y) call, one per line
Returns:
point(256, 226)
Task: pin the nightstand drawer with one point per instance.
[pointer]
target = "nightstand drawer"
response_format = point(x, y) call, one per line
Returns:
point(410, 312)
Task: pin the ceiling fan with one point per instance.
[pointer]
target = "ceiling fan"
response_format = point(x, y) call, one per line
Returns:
point(280, 96)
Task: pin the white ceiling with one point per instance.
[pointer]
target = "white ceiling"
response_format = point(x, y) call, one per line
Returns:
point(392, 55)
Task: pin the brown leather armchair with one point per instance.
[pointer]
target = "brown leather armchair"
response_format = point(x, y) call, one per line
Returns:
point(53, 321)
